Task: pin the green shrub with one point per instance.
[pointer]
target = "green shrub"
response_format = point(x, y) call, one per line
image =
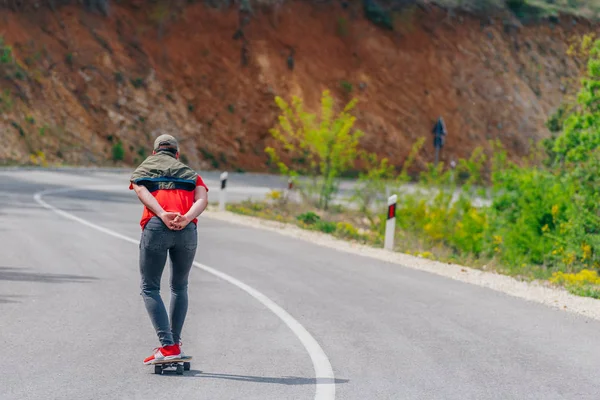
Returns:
point(18, 128)
point(138, 82)
point(378, 15)
point(308, 218)
point(326, 226)
point(255, 206)
point(6, 56)
point(118, 152)
point(346, 230)
point(347, 86)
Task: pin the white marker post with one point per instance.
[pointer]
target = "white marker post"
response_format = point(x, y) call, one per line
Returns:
point(290, 187)
point(390, 224)
point(222, 193)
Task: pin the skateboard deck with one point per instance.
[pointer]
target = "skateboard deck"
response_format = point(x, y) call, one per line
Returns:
point(173, 361)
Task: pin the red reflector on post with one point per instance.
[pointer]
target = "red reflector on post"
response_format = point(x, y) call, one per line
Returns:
point(391, 211)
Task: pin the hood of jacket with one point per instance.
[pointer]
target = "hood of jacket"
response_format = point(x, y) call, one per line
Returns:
point(163, 171)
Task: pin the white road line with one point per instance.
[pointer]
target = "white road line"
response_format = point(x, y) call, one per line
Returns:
point(325, 379)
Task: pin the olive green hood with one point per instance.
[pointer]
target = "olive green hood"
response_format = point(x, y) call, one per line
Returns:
point(163, 171)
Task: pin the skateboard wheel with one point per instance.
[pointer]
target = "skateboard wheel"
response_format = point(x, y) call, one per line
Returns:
point(186, 366)
point(179, 369)
point(158, 370)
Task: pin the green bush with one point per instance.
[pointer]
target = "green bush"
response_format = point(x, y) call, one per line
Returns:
point(378, 15)
point(6, 56)
point(346, 86)
point(138, 82)
point(308, 218)
point(326, 226)
point(347, 230)
point(118, 152)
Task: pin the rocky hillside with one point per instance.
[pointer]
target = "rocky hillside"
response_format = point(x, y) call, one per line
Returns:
point(74, 84)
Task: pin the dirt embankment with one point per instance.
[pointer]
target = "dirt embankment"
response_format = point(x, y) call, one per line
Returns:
point(82, 82)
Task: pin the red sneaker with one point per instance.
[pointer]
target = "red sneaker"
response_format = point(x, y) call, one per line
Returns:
point(164, 353)
point(182, 355)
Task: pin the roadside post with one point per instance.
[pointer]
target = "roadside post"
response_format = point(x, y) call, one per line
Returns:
point(222, 193)
point(390, 223)
point(290, 188)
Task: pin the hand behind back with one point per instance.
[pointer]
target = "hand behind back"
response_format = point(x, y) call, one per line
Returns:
point(180, 222)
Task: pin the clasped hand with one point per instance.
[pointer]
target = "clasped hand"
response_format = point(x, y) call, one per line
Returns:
point(174, 220)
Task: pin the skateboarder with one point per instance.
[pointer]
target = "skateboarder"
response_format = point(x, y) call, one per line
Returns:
point(173, 195)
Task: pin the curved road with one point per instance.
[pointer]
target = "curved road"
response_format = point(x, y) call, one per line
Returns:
point(74, 326)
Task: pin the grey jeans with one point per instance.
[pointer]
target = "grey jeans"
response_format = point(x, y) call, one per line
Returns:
point(157, 241)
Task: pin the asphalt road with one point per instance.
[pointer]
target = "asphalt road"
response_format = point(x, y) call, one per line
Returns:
point(73, 325)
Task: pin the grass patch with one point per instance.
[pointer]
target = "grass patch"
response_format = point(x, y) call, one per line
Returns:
point(347, 224)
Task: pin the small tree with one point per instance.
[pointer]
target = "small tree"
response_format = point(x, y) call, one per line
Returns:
point(321, 147)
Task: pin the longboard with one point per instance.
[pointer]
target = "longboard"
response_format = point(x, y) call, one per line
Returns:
point(181, 364)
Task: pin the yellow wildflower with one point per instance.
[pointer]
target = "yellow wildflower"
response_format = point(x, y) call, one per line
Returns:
point(587, 251)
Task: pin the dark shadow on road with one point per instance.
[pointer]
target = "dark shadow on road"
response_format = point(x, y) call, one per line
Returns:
point(18, 194)
point(284, 380)
point(8, 298)
point(18, 275)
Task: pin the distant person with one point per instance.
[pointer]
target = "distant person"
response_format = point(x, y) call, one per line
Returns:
point(173, 195)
